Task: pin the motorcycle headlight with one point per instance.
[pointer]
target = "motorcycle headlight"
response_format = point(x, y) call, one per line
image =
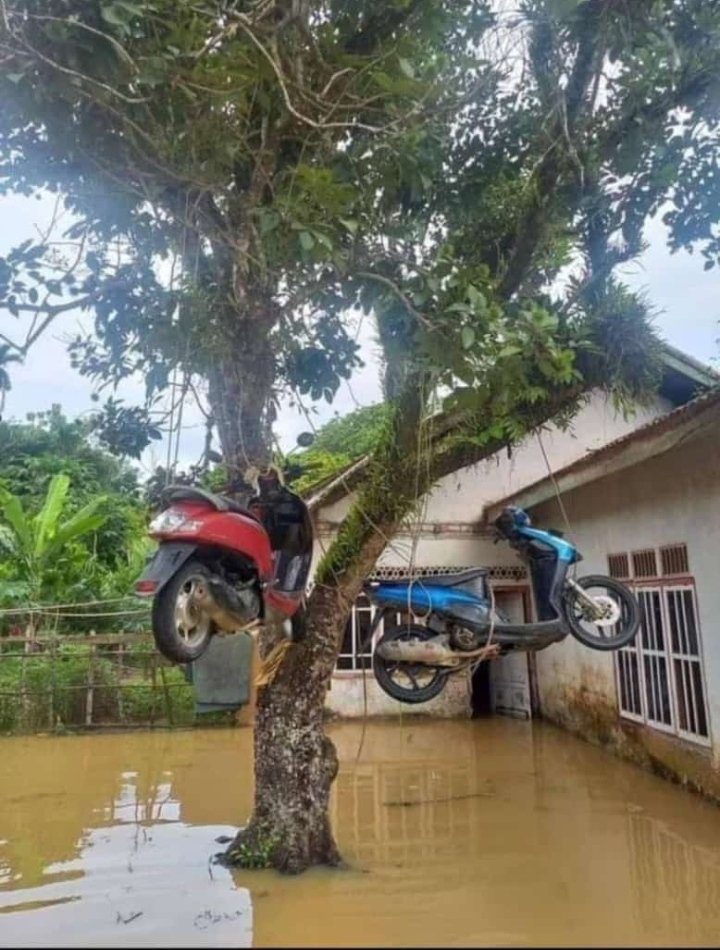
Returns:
point(171, 520)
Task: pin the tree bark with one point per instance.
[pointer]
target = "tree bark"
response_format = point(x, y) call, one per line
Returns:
point(295, 763)
point(241, 396)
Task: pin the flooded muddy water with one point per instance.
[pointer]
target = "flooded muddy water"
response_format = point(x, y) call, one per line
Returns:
point(460, 834)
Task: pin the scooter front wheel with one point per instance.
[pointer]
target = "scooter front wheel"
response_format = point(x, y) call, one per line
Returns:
point(407, 682)
point(613, 623)
point(182, 632)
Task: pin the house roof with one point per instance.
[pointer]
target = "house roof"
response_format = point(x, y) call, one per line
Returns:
point(337, 486)
point(700, 415)
point(682, 377)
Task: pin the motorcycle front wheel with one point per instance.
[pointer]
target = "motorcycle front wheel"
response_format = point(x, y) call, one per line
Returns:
point(182, 633)
point(620, 613)
point(407, 682)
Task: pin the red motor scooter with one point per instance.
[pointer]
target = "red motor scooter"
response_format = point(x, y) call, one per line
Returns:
point(221, 565)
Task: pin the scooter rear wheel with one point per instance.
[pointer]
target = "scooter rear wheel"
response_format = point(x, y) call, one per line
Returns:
point(423, 682)
point(181, 632)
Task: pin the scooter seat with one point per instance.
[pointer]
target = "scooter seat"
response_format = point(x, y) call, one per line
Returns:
point(218, 502)
point(443, 580)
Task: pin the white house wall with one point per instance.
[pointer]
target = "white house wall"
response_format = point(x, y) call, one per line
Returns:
point(671, 499)
point(349, 697)
point(463, 495)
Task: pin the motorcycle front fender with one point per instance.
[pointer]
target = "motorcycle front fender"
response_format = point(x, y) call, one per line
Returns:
point(164, 564)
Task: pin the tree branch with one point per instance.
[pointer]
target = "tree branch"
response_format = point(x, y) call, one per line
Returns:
point(381, 22)
point(392, 286)
point(286, 95)
point(686, 93)
point(546, 176)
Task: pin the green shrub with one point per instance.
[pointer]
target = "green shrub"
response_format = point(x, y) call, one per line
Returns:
point(37, 693)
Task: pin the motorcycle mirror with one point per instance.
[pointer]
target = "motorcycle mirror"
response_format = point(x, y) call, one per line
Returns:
point(305, 439)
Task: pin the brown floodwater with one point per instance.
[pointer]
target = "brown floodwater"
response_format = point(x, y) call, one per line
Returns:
point(460, 834)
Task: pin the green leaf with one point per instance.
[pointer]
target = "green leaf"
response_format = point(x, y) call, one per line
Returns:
point(307, 241)
point(476, 298)
point(323, 239)
point(8, 541)
point(15, 77)
point(458, 307)
point(114, 14)
point(85, 521)
point(349, 224)
point(13, 513)
point(269, 220)
point(133, 8)
point(46, 521)
point(468, 337)
point(406, 67)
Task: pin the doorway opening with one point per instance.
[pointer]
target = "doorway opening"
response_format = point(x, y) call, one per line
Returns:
point(481, 695)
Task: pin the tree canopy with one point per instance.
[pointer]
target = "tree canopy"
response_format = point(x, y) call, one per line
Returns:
point(436, 162)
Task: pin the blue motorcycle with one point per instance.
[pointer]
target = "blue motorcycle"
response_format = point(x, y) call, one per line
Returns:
point(460, 627)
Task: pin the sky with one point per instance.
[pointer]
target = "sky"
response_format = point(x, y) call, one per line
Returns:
point(686, 298)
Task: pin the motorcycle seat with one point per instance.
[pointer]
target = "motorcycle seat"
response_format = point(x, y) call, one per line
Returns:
point(444, 580)
point(218, 502)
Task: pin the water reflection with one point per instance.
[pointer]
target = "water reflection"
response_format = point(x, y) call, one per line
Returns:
point(93, 852)
point(461, 833)
point(675, 883)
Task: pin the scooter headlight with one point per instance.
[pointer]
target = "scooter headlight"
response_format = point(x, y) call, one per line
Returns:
point(171, 520)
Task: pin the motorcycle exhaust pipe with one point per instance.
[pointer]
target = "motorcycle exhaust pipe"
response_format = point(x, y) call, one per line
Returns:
point(434, 652)
point(230, 609)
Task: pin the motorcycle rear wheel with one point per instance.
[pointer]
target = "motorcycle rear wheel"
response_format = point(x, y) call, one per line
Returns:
point(386, 670)
point(181, 633)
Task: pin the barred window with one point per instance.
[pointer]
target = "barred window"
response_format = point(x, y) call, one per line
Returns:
point(660, 677)
point(674, 560)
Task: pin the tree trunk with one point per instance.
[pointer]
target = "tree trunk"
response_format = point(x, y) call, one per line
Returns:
point(241, 394)
point(295, 763)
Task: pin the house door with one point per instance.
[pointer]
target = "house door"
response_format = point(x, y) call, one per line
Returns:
point(509, 676)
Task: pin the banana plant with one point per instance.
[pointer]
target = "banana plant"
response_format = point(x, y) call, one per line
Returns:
point(37, 544)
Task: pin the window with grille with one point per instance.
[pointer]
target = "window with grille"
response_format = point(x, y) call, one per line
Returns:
point(674, 560)
point(352, 654)
point(660, 676)
point(644, 563)
point(619, 566)
point(356, 631)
